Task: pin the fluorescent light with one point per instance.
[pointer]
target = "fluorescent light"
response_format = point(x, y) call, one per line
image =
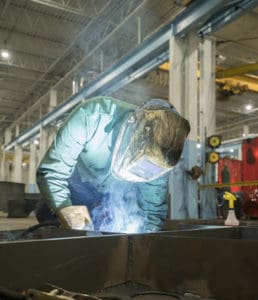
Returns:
point(222, 57)
point(248, 107)
point(5, 54)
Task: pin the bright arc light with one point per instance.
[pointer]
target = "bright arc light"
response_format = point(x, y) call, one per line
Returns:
point(231, 150)
point(198, 145)
point(5, 54)
point(248, 107)
point(36, 142)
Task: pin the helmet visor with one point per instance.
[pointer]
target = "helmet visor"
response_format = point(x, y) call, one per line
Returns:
point(148, 145)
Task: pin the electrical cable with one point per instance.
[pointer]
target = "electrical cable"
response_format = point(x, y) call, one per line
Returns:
point(156, 293)
point(34, 228)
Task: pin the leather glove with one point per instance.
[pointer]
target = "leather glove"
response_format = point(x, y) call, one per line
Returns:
point(75, 217)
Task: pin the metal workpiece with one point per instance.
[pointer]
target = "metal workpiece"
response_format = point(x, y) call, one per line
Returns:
point(10, 191)
point(78, 264)
point(202, 262)
point(214, 267)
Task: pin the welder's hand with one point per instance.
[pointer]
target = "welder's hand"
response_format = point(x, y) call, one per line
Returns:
point(74, 217)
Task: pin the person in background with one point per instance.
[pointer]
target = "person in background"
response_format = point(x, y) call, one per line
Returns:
point(107, 168)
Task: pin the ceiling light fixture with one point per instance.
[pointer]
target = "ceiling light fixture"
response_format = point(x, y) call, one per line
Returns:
point(249, 107)
point(222, 57)
point(5, 54)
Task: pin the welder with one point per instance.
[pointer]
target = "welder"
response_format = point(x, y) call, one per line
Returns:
point(107, 168)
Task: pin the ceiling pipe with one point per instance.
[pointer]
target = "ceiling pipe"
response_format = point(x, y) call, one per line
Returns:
point(147, 56)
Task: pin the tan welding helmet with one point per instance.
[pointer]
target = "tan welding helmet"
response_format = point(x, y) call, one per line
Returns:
point(149, 143)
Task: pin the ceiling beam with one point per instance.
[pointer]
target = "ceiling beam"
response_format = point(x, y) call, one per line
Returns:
point(151, 53)
point(22, 67)
point(247, 82)
point(61, 6)
point(6, 5)
point(250, 68)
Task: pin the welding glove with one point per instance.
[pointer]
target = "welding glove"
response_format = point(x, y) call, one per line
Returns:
point(75, 217)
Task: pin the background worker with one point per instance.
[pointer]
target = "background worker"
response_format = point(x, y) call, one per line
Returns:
point(108, 166)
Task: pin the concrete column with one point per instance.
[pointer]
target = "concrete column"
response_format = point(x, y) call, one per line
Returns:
point(52, 100)
point(207, 122)
point(17, 130)
point(43, 144)
point(176, 81)
point(7, 136)
point(2, 166)
point(17, 172)
point(75, 87)
point(32, 187)
point(245, 131)
point(183, 94)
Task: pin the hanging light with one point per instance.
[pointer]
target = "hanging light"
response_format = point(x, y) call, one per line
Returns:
point(5, 54)
point(249, 107)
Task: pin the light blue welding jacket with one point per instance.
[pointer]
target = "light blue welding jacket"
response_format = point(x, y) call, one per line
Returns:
point(77, 170)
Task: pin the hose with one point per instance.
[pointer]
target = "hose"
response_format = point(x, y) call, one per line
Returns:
point(156, 293)
point(34, 228)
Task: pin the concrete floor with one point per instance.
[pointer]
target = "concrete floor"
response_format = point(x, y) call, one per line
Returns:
point(16, 223)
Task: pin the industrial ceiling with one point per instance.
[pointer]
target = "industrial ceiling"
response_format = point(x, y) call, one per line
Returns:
point(55, 43)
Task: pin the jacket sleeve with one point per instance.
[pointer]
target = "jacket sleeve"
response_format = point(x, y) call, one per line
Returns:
point(60, 160)
point(153, 201)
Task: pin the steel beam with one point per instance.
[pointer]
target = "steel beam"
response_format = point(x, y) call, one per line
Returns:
point(6, 5)
point(251, 68)
point(61, 6)
point(148, 55)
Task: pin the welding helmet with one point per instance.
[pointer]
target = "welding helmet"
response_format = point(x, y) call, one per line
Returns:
point(149, 143)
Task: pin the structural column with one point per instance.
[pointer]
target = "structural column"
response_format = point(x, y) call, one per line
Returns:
point(245, 131)
point(17, 172)
point(207, 122)
point(183, 94)
point(2, 177)
point(7, 136)
point(52, 105)
point(32, 187)
point(43, 144)
point(52, 100)
point(5, 171)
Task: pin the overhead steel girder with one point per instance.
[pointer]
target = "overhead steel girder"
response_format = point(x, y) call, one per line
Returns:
point(201, 17)
point(250, 68)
